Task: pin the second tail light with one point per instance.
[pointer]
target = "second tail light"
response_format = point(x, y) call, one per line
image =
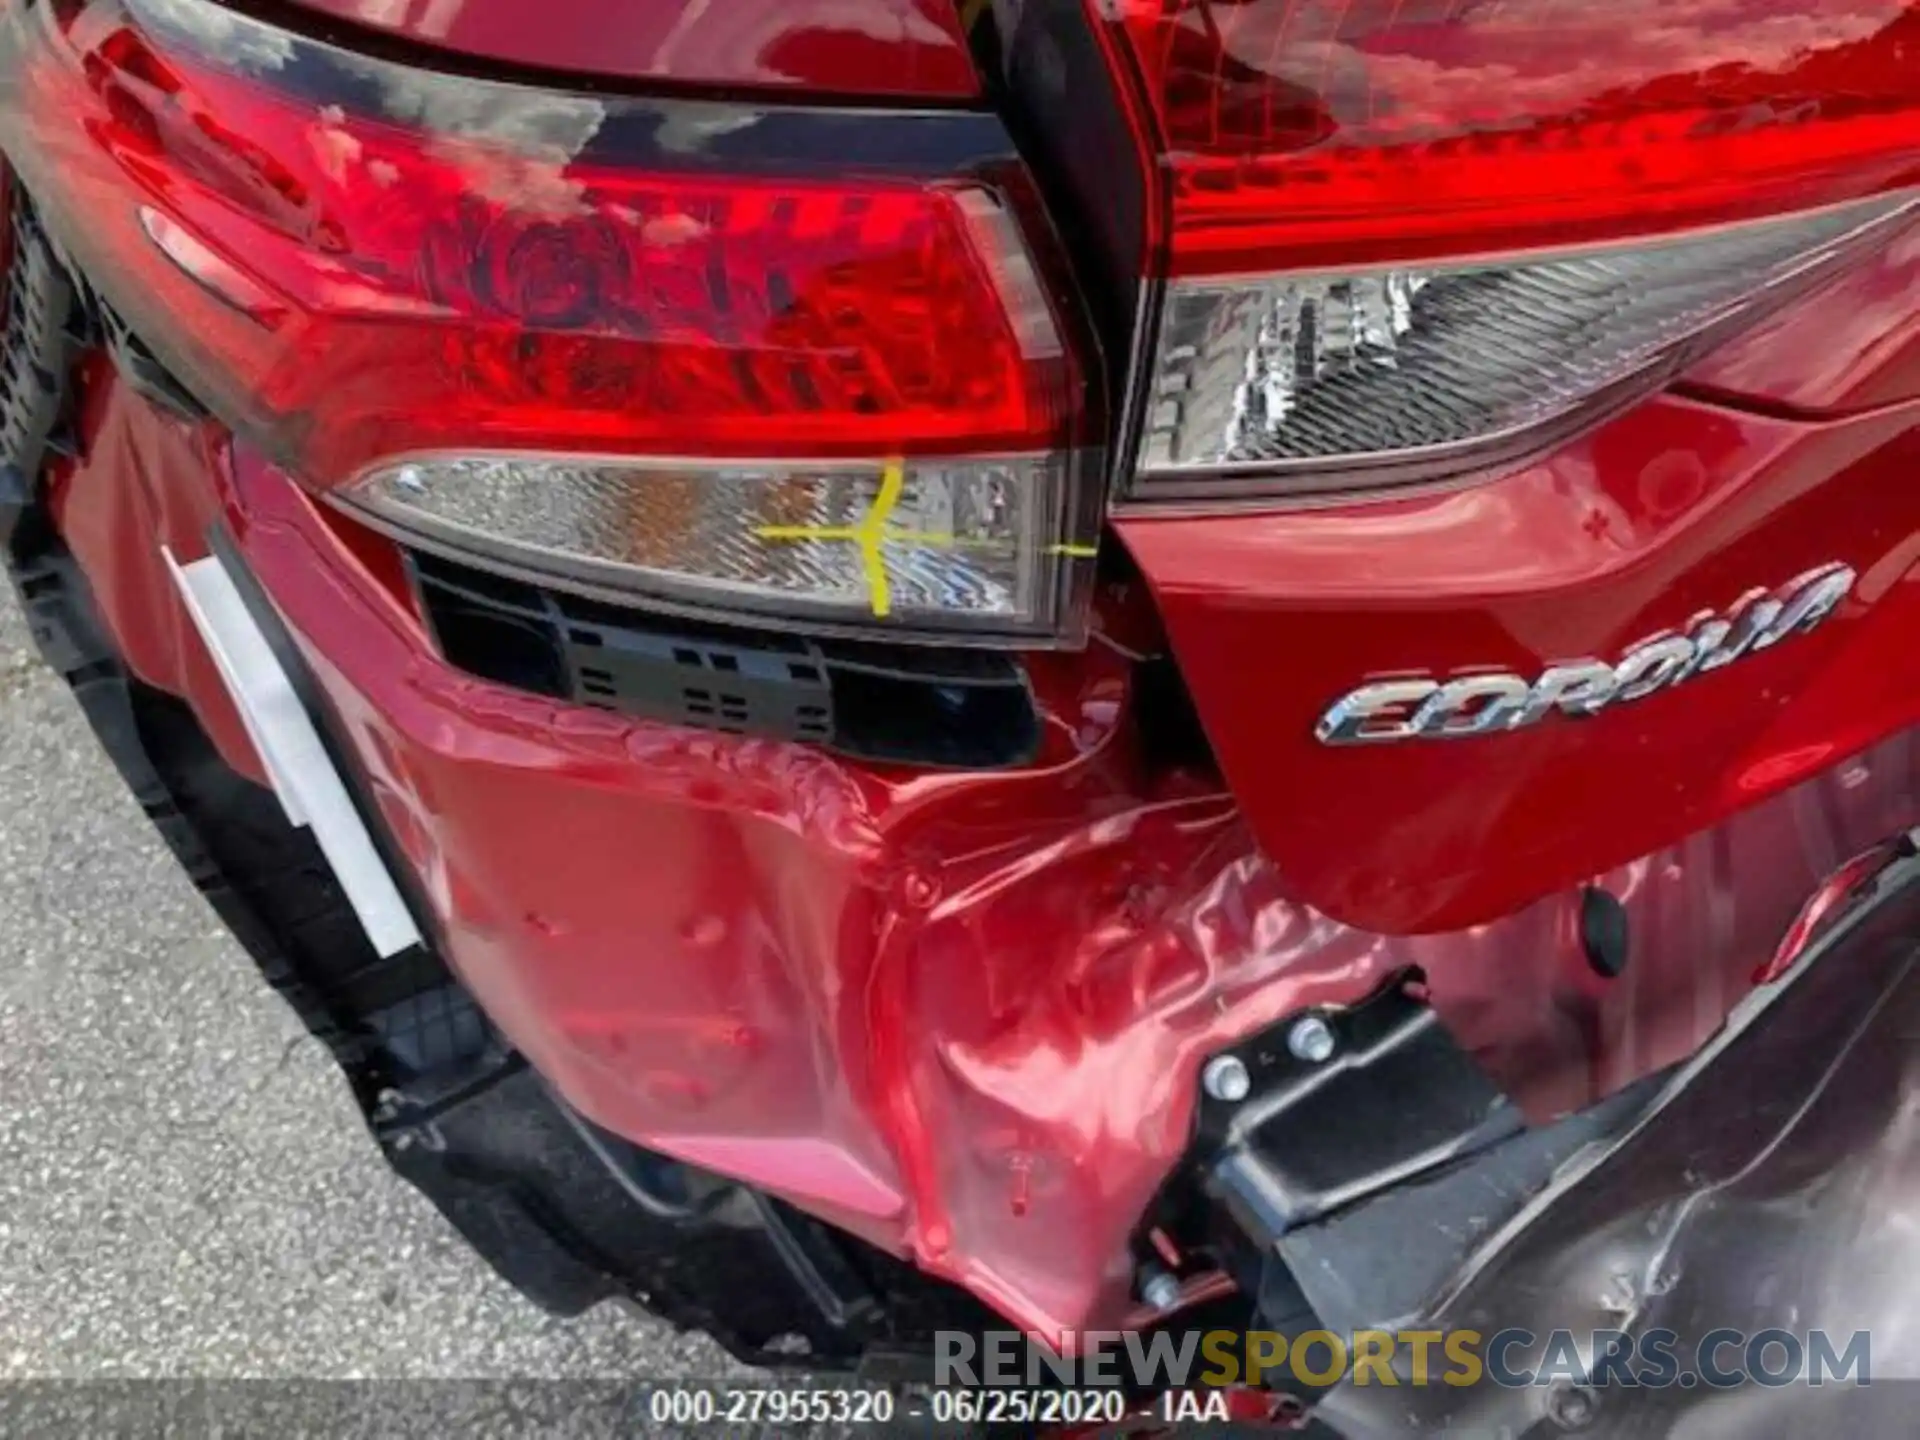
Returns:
point(1405, 240)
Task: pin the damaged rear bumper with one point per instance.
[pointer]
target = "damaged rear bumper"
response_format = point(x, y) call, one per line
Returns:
point(1768, 1185)
point(960, 1015)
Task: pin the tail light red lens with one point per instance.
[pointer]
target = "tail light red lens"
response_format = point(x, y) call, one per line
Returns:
point(1357, 132)
point(1407, 240)
point(372, 270)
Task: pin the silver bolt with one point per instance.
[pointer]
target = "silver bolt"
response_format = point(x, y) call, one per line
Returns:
point(1312, 1040)
point(1226, 1078)
point(1158, 1288)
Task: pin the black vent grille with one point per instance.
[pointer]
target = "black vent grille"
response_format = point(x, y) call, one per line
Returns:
point(41, 319)
point(899, 704)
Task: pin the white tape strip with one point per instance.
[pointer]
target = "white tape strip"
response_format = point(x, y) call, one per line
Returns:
point(309, 788)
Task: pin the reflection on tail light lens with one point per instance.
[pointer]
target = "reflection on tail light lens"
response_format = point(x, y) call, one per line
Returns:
point(1356, 132)
point(1325, 381)
point(928, 541)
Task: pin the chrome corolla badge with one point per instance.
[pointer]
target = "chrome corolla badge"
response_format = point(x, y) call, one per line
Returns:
point(1428, 708)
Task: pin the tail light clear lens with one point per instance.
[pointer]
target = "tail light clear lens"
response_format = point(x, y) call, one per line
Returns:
point(1408, 238)
point(581, 328)
point(928, 542)
point(1331, 381)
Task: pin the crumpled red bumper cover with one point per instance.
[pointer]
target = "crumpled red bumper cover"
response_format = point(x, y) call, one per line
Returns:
point(959, 1014)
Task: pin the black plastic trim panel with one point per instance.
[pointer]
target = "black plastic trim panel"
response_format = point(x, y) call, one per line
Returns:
point(917, 705)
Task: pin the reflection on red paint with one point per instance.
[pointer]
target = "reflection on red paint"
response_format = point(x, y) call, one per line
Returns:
point(1581, 555)
point(1784, 769)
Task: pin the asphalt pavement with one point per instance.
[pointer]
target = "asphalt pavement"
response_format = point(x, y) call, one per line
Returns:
point(186, 1189)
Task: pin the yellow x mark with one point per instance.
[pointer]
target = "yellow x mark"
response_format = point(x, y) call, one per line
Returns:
point(873, 531)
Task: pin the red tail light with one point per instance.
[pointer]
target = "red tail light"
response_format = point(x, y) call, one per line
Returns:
point(1349, 132)
point(801, 356)
point(1409, 239)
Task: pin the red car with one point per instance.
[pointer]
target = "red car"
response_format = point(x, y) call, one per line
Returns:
point(884, 666)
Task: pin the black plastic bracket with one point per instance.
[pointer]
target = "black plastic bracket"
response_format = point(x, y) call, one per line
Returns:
point(1396, 1097)
point(817, 1263)
point(1366, 1177)
point(697, 680)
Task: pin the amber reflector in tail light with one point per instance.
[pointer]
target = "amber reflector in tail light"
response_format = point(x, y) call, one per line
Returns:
point(796, 362)
point(1406, 238)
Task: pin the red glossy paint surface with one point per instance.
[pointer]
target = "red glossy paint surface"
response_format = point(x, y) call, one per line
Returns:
point(842, 47)
point(957, 1014)
point(1672, 509)
point(144, 483)
point(1850, 345)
